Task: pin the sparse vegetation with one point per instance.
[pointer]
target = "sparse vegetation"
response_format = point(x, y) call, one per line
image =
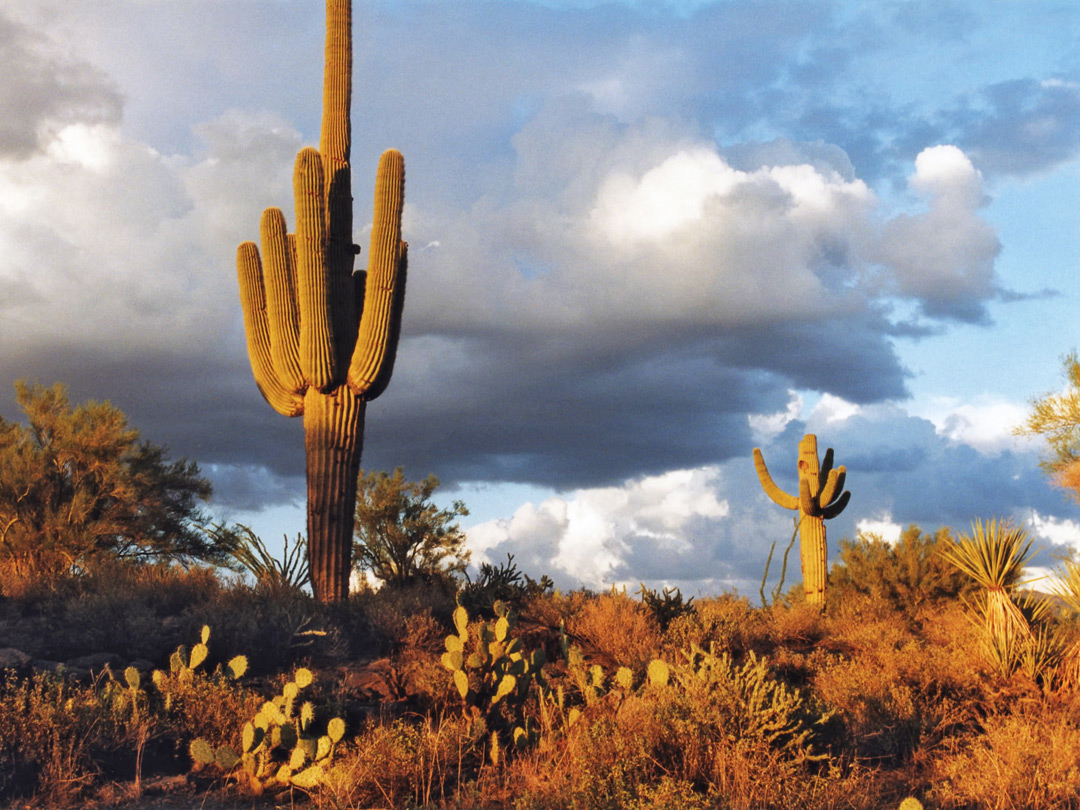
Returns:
point(571, 700)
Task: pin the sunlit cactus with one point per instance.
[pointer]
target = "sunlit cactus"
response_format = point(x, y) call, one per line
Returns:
point(821, 497)
point(320, 338)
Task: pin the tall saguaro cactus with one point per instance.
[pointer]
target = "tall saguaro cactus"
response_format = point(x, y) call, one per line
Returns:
point(821, 497)
point(322, 339)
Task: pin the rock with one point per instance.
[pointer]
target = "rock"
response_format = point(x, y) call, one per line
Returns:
point(10, 658)
point(142, 665)
point(95, 662)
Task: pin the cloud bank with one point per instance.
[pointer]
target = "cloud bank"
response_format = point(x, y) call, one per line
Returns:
point(637, 232)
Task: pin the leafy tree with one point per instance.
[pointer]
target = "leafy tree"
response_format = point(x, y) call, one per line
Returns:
point(907, 573)
point(1057, 418)
point(401, 536)
point(77, 485)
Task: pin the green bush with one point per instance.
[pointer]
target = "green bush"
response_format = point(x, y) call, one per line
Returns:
point(907, 574)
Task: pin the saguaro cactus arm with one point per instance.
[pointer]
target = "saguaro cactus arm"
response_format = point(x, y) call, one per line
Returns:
point(836, 507)
point(282, 309)
point(317, 356)
point(282, 397)
point(376, 340)
point(779, 497)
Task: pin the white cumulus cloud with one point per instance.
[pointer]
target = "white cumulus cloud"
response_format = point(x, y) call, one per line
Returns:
point(588, 537)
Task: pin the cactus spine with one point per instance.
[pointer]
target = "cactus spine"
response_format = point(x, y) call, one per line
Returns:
point(322, 340)
point(821, 497)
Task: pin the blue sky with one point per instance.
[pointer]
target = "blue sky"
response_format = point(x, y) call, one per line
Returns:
point(645, 237)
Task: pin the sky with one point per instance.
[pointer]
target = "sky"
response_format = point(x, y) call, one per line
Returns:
point(645, 238)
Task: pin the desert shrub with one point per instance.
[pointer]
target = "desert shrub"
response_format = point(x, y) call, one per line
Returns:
point(402, 537)
point(728, 622)
point(274, 628)
point(906, 574)
point(77, 486)
point(54, 735)
point(199, 694)
point(899, 687)
point(1025, 759)
point(880, 710)
point(719, 733)
point(798, 626)
point(379, 617)
point(248, 553)
point(665, 606)
point(614, 627)
point(501, 583)
point(412, 670)
point(204, 706)
point(128, 609)
point(610, 764)
point(401, 763)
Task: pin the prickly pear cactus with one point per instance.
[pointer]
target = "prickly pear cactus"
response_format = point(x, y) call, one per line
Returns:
point(492, 674)
point(282, 745)
point(821, 497)
point(320, 338)
point(184, 666)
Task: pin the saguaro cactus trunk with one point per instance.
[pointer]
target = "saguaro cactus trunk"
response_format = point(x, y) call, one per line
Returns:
point(322, 339)
point(820, 497)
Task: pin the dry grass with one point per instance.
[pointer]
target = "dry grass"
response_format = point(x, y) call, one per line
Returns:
point(614, 627)
point(1025, 759)
point(856, 707)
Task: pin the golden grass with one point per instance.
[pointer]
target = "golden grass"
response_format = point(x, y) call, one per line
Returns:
point(859, 706)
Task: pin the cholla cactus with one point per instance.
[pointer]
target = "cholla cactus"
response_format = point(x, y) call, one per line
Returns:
point(821, 496)
point(322, 339)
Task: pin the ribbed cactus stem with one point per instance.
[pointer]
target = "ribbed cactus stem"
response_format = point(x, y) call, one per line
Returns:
point(813, 552)
point(819, 498)
point(333, 441)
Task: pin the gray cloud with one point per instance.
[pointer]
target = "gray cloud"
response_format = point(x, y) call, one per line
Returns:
point(43, 90)
point(1022, 126)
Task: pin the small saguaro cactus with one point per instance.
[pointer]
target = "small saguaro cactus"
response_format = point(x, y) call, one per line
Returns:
point(821, 497)
point(320, 338)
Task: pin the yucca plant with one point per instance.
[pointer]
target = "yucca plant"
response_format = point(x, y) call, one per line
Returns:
point(1068, 590)
point(288, 573)
point(994, 555)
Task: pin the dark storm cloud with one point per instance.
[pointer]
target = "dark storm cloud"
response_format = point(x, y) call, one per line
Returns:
point(43, 90)
point(506, 415)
